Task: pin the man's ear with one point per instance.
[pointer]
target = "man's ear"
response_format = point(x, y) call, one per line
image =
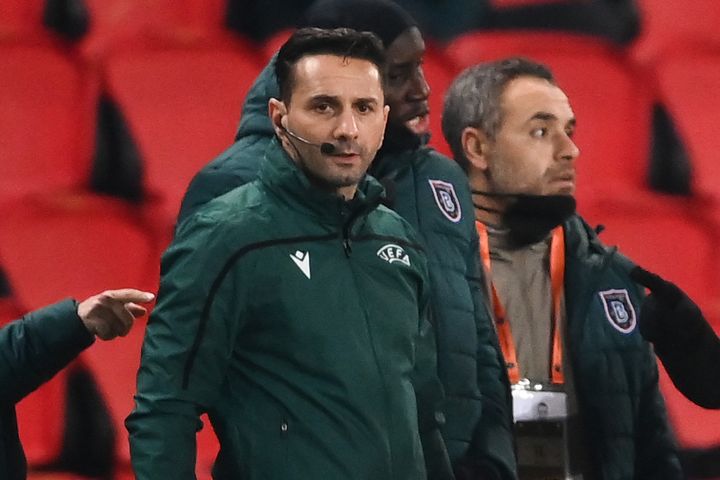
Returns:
point(277, 112)
point(386, 111)
point(476, 147)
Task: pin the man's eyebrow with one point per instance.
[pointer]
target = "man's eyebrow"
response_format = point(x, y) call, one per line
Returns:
point(324, 98)
point(549, 117)
point(543, 116)
point(367, 100)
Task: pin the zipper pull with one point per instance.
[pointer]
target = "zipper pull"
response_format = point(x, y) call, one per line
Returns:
point(347, 246)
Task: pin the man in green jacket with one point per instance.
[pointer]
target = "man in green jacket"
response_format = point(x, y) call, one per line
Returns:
point(430, 192)
point(565, 306)
point(39, 345)
point(291, 310)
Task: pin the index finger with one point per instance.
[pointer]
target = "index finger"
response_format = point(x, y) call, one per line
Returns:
point(126, 295)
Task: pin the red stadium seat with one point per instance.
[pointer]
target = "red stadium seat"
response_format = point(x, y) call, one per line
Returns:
point(21, 19)
point(687, 83)
point(47, 110)
point(676, 25)
point(119, 25)
point(182, 107)
point(54, 247)
point(612, 108)
point(9, 310)
point(439, 73)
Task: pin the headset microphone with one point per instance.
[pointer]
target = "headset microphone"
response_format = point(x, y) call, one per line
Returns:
point(326, 148)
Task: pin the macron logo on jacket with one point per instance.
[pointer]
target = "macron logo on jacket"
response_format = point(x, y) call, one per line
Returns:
point(302, 260)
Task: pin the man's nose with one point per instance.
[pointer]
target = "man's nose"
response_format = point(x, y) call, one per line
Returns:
point(567, 149)
point(419, 88)
point(347, 127)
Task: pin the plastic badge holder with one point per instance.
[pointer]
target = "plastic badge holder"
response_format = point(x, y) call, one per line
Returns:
point(541, 432)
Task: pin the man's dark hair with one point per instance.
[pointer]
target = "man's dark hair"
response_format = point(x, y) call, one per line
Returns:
point(473, 99)
point(343, 42)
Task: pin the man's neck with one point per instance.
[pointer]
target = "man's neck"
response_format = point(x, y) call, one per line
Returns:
point(488, 210)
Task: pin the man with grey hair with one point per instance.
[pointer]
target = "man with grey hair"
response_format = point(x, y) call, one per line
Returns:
point(585, 383)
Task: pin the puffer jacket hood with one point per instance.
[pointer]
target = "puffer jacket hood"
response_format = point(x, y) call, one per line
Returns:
point(255, 120)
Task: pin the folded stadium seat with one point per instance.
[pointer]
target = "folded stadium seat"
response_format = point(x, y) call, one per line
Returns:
point(687, 82)
point(675, 25)
point(120, 24)
point(439, 73)
point(182, 106)
point(9, 310)
point(54, 247)
point(612, 107)
point(47, 110)
point(21, 19)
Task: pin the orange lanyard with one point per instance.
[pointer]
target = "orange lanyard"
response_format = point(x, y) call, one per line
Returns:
point(557, 279)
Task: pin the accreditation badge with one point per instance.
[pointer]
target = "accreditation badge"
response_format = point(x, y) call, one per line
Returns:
point(542, 432)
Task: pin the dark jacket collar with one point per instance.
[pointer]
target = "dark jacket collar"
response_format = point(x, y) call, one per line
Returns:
point(281, 176)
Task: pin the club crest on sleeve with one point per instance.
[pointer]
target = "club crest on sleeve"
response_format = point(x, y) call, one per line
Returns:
point(619, 310)
point(446, 199)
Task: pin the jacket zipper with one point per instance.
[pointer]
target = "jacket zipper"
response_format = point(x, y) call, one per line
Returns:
point(347, 226)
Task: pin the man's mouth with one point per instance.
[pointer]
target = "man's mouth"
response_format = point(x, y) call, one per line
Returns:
point(346, 157)
point(419, 124)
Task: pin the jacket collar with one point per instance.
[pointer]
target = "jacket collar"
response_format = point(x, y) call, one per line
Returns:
point(281, 176)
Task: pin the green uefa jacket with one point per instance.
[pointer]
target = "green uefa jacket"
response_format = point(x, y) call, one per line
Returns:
point(32, 350)
point(295, 319)
point(431, 193)
point(624, 418)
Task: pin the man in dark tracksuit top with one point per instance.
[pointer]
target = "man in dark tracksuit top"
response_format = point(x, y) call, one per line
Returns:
point(291, 309)
point(39, 345)
point(566, 306)
point(430, 192)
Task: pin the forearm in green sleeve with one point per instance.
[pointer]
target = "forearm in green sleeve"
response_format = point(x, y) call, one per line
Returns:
point(36, 347)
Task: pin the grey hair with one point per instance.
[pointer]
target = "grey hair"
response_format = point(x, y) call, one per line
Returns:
point(474, 99)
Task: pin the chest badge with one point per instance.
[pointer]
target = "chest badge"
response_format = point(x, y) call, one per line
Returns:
point(392, 253)
point(446, 199)
point(619, 310)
